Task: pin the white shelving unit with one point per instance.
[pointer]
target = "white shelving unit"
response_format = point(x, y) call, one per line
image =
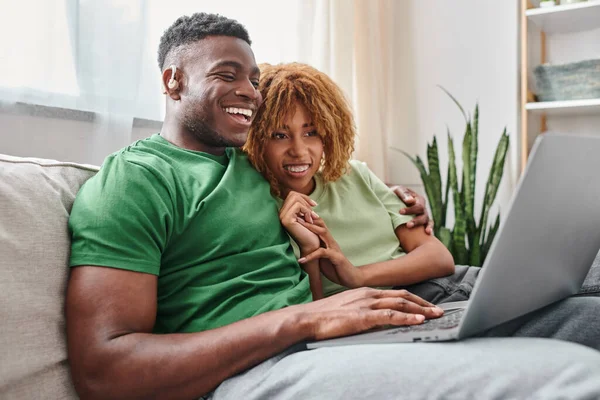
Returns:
point(561, 19)
point(566, 108)
point(566, 18)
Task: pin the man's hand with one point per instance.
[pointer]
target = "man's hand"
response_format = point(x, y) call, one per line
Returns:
point(334, 264)
point(355, 311)
point(416, 205)
point(299, 207)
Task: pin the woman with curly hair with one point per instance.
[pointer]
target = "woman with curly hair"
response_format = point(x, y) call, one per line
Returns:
point(302, 140)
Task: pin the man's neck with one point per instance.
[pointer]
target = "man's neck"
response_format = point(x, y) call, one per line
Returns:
point(181, 137)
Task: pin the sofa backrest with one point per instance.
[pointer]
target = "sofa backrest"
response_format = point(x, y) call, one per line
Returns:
point(36, 197)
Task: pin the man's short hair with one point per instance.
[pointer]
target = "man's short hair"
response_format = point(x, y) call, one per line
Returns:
point(189, 29)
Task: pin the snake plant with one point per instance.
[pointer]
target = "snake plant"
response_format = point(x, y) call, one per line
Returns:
point(470, 239)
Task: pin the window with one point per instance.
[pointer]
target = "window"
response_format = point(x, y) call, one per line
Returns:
point(100, 56)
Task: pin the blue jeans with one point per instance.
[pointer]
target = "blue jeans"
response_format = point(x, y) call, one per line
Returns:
point(458, 287)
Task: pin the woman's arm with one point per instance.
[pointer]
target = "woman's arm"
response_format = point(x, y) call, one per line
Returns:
point(426, 258)
point(314, 278)
point(298, 206)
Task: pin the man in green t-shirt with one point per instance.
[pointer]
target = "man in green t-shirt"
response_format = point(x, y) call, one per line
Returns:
point(182, 275)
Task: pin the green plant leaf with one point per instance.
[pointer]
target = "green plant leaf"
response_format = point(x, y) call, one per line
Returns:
point(459, 231)
point(471, 226)
point(467, 192)
point(446, 198)
point(490, 239)
point(462, 110)
point(446, 237)
point(475, 250)
point(435, 178)
point(493, 182)
point(429, 190)
point(459, 236)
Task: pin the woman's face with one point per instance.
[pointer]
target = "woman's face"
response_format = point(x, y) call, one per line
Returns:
point(293, 153)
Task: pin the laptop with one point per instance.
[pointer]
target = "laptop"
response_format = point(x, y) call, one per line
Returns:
point(540, 255)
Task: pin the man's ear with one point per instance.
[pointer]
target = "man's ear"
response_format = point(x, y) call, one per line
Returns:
point(171, 80)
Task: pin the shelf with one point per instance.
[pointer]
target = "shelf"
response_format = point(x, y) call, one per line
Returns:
point(570, 107)
point(566, 18)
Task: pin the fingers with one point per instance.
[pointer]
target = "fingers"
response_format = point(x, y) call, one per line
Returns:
point(403, 300)
point(392, 317)
point(320, 223)
point(316, 226)
point(415, 209)
point(404, 305)
point(419, 220)
point(307, 215)
point(294, 198)
point(358, 310)
point(295, 211)
point(307, 199)
point(343, 322)
point(405, 194)
point(319, 253)
point(429, 228)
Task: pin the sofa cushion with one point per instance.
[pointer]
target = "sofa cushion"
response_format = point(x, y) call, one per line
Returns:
point(35, 200)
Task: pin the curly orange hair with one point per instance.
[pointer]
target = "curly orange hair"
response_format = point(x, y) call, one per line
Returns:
point(283, 86)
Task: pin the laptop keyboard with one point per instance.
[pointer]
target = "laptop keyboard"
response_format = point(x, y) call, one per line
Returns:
point(449, 320)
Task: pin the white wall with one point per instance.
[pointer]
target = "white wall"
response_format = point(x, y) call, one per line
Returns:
point(471, 48)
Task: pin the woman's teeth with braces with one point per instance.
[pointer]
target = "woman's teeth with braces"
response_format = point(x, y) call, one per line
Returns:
point(296, 168)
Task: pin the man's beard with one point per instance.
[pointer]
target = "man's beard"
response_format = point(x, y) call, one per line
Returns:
point(201, 129)
point(198, 123)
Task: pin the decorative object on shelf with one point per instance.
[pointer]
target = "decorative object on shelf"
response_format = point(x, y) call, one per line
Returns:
point(572, 81)
point(548, 3)
point(469, 240)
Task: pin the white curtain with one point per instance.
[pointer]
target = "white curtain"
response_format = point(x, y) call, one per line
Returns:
point(100, 57)
point(351, 41)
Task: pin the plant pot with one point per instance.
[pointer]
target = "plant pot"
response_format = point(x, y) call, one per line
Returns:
point(550, 3)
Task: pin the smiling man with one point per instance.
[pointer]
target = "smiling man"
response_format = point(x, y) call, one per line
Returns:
point(184, 278)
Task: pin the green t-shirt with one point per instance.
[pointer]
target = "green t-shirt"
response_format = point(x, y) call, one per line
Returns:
point(362, 214)
point(205, 225)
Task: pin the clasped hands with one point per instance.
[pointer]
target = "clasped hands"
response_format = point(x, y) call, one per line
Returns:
point(316, 242)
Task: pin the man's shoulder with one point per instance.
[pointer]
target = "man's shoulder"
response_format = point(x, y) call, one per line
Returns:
point(131, 169)
point(141, 157)
point(142, 153)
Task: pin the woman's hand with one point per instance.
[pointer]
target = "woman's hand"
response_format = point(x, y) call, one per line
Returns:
point(299, 207)
point(333, 263)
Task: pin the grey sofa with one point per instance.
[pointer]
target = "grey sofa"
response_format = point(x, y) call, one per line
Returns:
point(35, 200)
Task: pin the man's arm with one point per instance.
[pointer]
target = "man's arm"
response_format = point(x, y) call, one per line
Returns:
point(113, 354)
